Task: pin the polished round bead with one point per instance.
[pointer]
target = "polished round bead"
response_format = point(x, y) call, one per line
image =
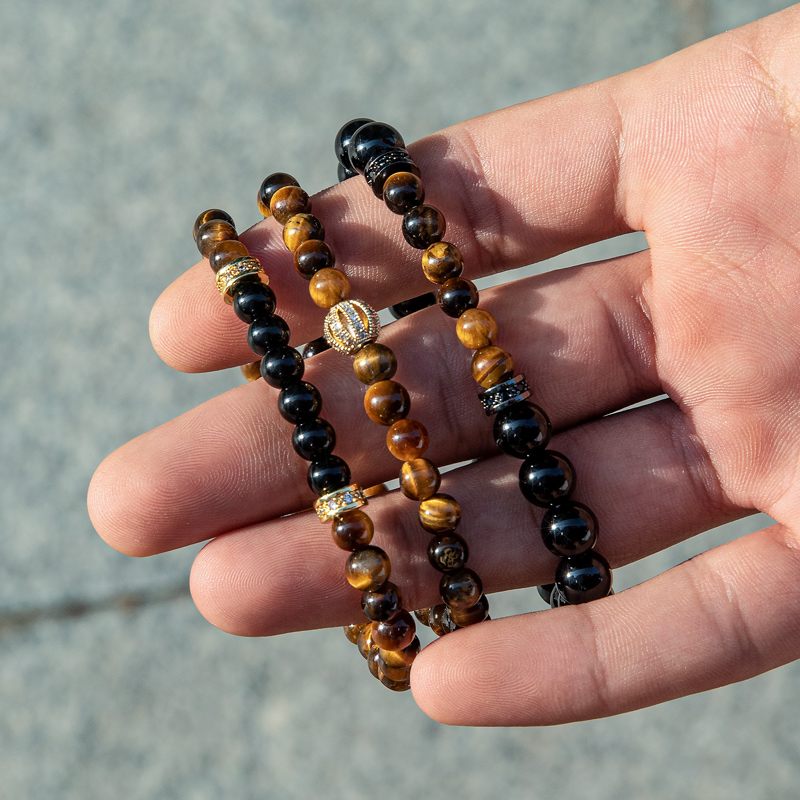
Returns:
point(327, 474)
point(447, 552)
point(440, 621)
point(299, 402)
point(352, 530)
point(583, 578)
point(545, 591)
point(373, 662)
point(288, 201)
point(390, 672)
point(442, 261)
point(569, 529)
point(399, 659)
point(370, 140)
point(461, 588)
point(423, 225)
point(207, 216)
point(457, 295)
point(226, 251)
point(521, 428)
point(328, 287)
point(380, 604)
point(313, 438)
point(407, 307)
point(374, 362)
point(343, 174)
point(464, 617)
point(492, 365)
point(546, 478)
point(302, 228)
point(386, 402)
point(439, 513)
point(251, 370)
point(352, 631)
point(315, 347)
point(281, 366)
point(270, 185)
point(394, 686)
point(252, 301)
point(407, 439)
point(402, 192)
point(396, 633)
point(364, 640)
point(476, 328)
point(265, 335)
point(213, 232)
point(368, 569)
point(423, 615)
point(419, 479)
point(312, 256)
point(342, 141)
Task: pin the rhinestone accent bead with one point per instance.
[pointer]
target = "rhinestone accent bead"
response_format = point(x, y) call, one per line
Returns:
point(345, 499)
point(384, 164)
point(350, 325)
point(232, 273)
point(504, 394)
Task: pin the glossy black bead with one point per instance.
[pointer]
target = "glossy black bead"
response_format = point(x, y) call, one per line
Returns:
point(265, 335)
point(299, 402)
point(569, 529)
point(583, 578)
point(423, 225)
point(327, 474)
point(253, 300)
point(382, 604)
point(447, 552)
point(406, 307)
point(456, 295)
point(271, 184)
point(370, 140)
point(282, 366)
point(313, 438)
point(343, 174)
point(545, 590)
point(521, 429)
point(315, 347)
point(342, 142)
point(546, 477)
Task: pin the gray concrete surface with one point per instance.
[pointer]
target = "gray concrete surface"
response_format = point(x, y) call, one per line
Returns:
point(118, 123)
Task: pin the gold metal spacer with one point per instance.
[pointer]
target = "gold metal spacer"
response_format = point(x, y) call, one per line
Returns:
point(346, 499)
point(232, 273)
point(350, 325)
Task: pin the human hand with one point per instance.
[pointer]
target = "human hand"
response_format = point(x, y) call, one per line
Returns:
point(702, 152)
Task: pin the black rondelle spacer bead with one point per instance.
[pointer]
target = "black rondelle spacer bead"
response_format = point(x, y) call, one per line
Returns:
point(282, 366)
point(521, 429)
point(265, 335)
point(583, 578)
point(546, 478)
point(327, 474)
point(253, 300)
point(569, 529)
point(423, 225)
point(299, 402)
point(342, 142)
point(406, 307)
point(313, 438)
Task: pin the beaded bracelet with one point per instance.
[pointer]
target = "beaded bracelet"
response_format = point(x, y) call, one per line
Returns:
point(352, 328)
point(521, 429)
point(389, 645)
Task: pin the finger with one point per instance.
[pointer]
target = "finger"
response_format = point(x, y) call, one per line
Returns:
point(231, 448)
point(711, 621)
point(640, 472)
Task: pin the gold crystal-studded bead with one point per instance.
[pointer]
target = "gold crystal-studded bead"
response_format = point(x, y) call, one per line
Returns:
point(232, 273)
point(346, 499)
point(350, 325)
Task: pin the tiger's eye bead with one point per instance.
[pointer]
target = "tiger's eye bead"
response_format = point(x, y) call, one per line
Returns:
point(226, 251)
point(492, 365)
point(313, 438)
point(373, 658)
point(546, 478)
point(301, 228)
point(447, 552)
point(370, 140)
point(476, 328)
point(461, 588)
point(288, 201)
point(464, 617)
point(521, 428)
point(329, 287)
point(253, 300)
point(281, 366)
point(396, 633)
point(423, 225)
point(368, 569)
point(327, 474)
point(394, 686)
point(402, 192)
point(364, 640)
point(440, 621)
point(439, 513)
point(399, 659)
point(569, 529)
point(419, 479)
point(392, 673)
point(583, 578)
point(423, 615)
point(407, 439)
point(352, 530)
point(207, 216)
point(270, 185)
point(374, 362)
point(442, 261)
point(312, 256)
point(352, 631)
point(342, 141)
point(381, 604)
point(252, 370)
point(299, 402)
point(315, 347)
point(456, 295)
point(213, 232)
point(265, 335)
point(386, 402)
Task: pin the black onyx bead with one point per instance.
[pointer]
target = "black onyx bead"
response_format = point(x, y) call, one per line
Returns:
point(342, 142)
point(313, 438)
point(423, 225)
point(253, 300)
point(315, 347)
point(370, 140)
point(456, 295)
point(583, 578)
point(342, 173)
point(270, 185)
point(546, 477)
point(520, 429)
point(406, 307)
point(265, 335)
point(382, 604)
point(327, 474)
point(569, 529)
point(299, 402)
point(448, 552)
point(282, 366)
point(545, 591)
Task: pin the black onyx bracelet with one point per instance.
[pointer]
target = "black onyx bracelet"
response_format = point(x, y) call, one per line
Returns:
point(521, 429)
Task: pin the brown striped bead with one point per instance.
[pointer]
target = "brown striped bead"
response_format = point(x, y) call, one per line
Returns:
point(419, 479)
point(312, 256)
point(223, 253)
point(423, 615)
point(461, 588)
point(374, 362)
point(251, 371)
point(402, 658)
point(207, 216)
point(407, 439)
point(270, 185)
point(476, 328)
point(394, 686)
point(464, 617)
point(329, 287)
point(288, 201)
point(439, 513)
point(442, 261)
point(352, 530)
point(390, 672)
point(368, 569)
point(364, 640)
point(373, 663)
point(440, 621)
point(352, 631)
point(396, 633)
point(213, 232)
point(300, 228)
point(402, 192)
point(492, 365)
point(386, 402)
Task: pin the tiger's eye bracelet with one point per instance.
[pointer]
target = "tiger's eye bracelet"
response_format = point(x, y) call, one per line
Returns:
point(389, 644)
point(352, 328)
point(521, 429)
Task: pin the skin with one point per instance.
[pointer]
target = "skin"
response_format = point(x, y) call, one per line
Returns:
point(702, 152)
